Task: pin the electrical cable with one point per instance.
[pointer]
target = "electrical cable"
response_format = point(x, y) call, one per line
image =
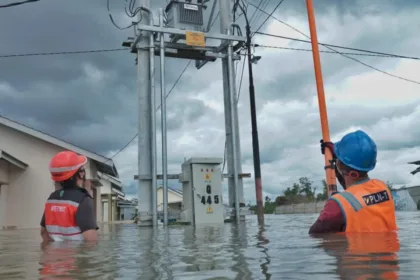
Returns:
point(60, 53)
point(256, 11)
point(240, 83)
point(344, 55)
point(215, 19)
point(269, 15)
point(130, 12)
point(176, 82)
point(17, 3)
point(169, 92)
point(310, 50)
point(263, 6)
point(342, 47)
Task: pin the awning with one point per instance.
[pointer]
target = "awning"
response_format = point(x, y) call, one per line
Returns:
point(111, 179)
point(12, 160)
point(118, 192)
point(96, 183)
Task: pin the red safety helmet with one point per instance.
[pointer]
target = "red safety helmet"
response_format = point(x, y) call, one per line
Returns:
point(65, 164)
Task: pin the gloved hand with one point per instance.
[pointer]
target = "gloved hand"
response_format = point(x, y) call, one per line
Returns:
point(328, 145)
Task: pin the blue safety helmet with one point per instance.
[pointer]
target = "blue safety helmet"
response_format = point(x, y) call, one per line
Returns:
point(357, 150)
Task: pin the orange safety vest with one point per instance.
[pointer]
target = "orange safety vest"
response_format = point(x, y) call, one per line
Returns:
point(362, 256)
point(60, 214)
point(367, 206)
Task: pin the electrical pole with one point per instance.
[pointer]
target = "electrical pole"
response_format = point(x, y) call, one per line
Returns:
point(255, 142)
point(144, 124)
point(225, 21)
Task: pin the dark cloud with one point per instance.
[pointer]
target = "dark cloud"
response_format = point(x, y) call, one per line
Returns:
point(55, 94)
point(91, 99)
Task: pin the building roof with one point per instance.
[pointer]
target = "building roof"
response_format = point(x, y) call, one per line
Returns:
point(105, 165)
point(12, 160)
point(116, 184)
point(178, 192)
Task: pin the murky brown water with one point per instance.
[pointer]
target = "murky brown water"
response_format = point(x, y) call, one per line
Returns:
point(283, 250)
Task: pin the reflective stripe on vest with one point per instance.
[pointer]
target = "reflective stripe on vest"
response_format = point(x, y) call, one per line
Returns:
point(60, 220)
point(367, 207)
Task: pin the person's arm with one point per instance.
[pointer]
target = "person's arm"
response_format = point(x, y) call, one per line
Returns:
point(86, 221)
point(330, 220)
point(44, 233)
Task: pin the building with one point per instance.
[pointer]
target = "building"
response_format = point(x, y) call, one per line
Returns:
point(111, 194)
point(407, 198)
point(25, 181)
point(175, 199)
point(127, 209)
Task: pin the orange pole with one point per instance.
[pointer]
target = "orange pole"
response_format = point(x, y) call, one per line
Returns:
point(329, 172)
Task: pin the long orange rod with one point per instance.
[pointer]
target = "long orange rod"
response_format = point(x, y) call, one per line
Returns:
point(329, 172)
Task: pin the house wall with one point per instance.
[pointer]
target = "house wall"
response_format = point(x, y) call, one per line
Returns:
point(28, 190)
point(172, 198)
point(4, 172)
point(106, 186)
point(128, 212)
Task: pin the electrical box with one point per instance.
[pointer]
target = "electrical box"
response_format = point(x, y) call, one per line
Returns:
point(185, 15)
point(202, 191)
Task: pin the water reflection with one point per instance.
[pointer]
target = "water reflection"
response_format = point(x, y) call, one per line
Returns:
point(64, 259)
point(281, 249)
point(262, 244)
point(363, 256)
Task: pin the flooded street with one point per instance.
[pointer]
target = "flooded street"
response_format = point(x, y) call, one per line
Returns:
point(283, 250)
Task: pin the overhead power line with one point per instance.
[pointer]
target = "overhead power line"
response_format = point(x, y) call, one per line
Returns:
point(169, 92)
point(342, 47)
point(310, 50)
point(269, 15)
point(17, 3)
point(61, 53)
point(334, 50)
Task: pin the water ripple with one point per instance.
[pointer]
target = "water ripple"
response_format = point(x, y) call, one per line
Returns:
point(281, 249)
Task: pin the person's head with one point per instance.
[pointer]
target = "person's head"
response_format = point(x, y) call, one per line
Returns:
point(67, 169)
point(356, 155)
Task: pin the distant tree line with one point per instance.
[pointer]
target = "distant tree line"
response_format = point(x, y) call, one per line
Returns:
point(303, 191)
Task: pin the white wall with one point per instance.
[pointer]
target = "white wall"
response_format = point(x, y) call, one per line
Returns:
point(4, 171)
point(172, 198)
point(106, 186)
point(29, 189)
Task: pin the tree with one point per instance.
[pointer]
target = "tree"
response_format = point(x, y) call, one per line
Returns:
point(297, 193)
point(306, 187)
point(324, 194)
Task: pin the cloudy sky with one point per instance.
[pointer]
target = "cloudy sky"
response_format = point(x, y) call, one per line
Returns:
point(90, 99)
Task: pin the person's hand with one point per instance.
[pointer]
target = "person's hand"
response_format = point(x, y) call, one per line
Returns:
point(328, 145)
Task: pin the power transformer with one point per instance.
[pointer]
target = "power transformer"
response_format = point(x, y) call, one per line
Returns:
point(185, 15)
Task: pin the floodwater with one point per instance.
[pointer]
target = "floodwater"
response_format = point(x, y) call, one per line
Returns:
point(282, 250)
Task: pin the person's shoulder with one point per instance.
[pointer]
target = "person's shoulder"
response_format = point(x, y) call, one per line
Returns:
point(55, 194)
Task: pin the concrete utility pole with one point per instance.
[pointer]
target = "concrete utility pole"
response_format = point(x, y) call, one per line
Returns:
point(226, 17)
point(144, 124)
point(185, 25)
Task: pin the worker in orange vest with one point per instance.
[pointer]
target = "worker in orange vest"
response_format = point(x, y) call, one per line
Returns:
point(68, 212)
point(366, 205)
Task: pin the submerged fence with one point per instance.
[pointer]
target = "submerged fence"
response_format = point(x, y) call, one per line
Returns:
point(301, 208)
point(407, 199)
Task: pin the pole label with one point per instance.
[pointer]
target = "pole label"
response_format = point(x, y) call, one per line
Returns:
point(191, 7)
